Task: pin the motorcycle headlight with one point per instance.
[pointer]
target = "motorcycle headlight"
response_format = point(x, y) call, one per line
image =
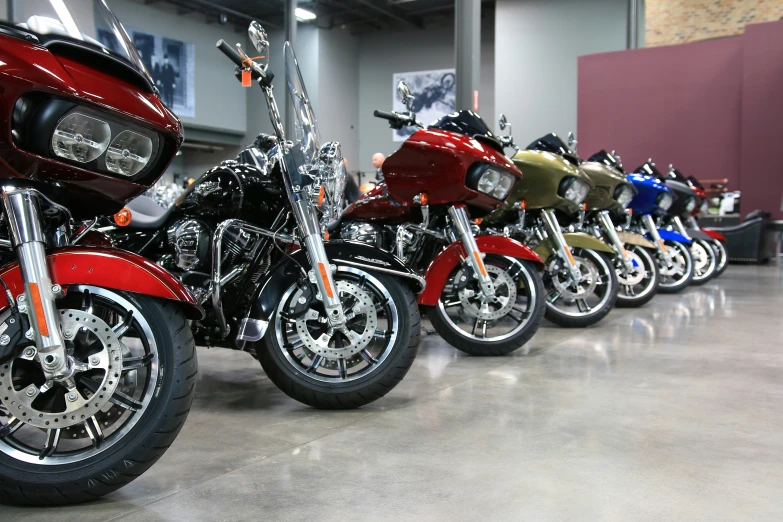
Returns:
point(690, 205)
point(623, 194)
point(664, 201)
point(128, 153)
point(574, 190)
point(490, 181)
point(81, 138)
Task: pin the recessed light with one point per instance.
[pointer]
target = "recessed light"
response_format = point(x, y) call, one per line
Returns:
point(303, 15)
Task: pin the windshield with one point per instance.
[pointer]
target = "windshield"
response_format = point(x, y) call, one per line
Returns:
point(84, 22)
point(467, 123)
point(552, 143)
point(306, 139)
point(608, 159)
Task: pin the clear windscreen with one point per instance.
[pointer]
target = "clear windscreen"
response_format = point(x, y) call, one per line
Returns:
point(306, 138)
point(86, 22)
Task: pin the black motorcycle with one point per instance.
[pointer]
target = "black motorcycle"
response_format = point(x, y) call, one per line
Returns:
point(334, 323)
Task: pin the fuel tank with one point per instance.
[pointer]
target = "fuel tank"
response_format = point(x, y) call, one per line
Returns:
point(378, 204)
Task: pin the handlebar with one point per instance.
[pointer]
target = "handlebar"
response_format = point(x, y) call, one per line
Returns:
point(235, 57)
point(385, 115)
point(229, 51)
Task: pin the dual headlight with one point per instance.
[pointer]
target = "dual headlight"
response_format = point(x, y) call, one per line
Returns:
point(690, 204)
point(664, 201)
point(574, 190)
point(490, 181)
point(82, 136)
point(623, 194)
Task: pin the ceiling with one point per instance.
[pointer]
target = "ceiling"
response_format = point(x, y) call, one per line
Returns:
point(358, 16)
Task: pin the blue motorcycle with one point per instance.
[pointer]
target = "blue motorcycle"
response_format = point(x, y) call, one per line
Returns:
point(647, 208)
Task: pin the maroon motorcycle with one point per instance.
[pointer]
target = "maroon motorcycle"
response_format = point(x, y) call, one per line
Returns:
point(484, 294)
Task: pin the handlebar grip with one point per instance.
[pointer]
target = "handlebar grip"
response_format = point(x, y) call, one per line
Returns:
point(386, 115)
point(229, 51)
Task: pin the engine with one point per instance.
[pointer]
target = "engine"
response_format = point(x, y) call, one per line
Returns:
point(365, 233)
point(190, 239)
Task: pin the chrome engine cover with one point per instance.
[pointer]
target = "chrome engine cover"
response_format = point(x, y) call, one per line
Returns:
point(190, 239)
point(364, 233)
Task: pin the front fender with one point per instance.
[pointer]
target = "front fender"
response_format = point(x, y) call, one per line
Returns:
point(444, 263)
point(713, 234)
point(586, 241)
point(695, 233)
point(630, 238)
point(107, 268)
point(668, 235)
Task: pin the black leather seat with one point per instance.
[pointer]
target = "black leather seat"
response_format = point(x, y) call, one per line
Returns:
point(751, 240)
point(147, 214)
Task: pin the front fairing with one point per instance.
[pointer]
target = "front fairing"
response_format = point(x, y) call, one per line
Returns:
point(544, 171)
point(648, 189)
point(606, 180)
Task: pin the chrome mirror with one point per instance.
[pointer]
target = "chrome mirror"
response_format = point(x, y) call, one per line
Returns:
point(572, 143)
point(502, 121)
point(404, 94)
point(260, 41)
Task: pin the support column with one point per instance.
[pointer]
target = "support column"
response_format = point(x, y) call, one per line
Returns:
point(467, 42)
point(290, 36)
point(633, 24)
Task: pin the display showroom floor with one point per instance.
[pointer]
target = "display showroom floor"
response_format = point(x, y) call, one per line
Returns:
point(670, 412)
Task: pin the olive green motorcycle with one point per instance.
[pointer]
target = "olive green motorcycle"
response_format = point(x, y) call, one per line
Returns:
point(579, 276)
point(635, 262)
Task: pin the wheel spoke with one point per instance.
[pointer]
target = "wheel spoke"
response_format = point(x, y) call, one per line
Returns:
point(134, 363)
point(86, 303)
point(52, 439)
point(317, 360)
point(484, 330)
point(367, 357)
point(342, 367)
point(554, 296)
point(294, 345)
point(382, 334)
point(95, 432)
point(583, 306)
point(120, 328)
point(125, 401)
point(473, 331)
point(13, 425)
point(451, 304)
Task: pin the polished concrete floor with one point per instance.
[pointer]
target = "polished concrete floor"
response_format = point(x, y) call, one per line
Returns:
point(670, 412)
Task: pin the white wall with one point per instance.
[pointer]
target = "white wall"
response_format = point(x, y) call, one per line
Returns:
point(384, 53)
point(537, 43)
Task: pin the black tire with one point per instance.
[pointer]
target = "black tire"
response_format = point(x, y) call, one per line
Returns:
point(31, 484)
point(337, 396)
point(722, 256)
point(624, 301)
point(570, 321)
point(712, 263)
point(442, 325)
point(673, 288)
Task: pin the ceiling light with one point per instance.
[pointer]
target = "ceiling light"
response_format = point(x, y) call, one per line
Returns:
point(303, 15)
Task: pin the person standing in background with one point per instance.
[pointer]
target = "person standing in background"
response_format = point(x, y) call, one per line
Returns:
point(377, 162)
point(168, 80)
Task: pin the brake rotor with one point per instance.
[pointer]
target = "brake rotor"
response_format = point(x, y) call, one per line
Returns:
point(635, 276)
point(564, 283)
point(701, 259)
point(678, 262)
point(356, 341)
point(89, 330)
point(483, 309)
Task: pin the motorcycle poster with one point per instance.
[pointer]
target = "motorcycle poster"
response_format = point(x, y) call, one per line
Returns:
point(435, 96)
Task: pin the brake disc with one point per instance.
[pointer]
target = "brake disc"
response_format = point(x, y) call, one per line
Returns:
point(565, 285)
point(90, 331)
point(701, 259)
point(483, 309)
point(678, 262)
point(357, 341)
point(635, 276)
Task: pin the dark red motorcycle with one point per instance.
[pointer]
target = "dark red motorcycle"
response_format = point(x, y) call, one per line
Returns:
point(97, 361)
point(484, 294)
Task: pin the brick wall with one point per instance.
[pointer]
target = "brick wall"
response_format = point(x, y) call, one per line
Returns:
point(678, 21)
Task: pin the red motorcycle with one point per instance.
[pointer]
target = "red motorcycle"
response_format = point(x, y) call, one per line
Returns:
point(484, 294)
point(717, 240)
point(97, 361)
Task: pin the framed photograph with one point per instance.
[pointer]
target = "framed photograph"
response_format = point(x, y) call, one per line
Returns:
point(435, 96)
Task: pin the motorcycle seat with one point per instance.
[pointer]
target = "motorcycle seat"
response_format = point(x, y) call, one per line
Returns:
point(146, 214)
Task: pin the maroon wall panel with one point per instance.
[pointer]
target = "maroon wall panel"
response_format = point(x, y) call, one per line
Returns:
point(762, 118)
point(678, 104)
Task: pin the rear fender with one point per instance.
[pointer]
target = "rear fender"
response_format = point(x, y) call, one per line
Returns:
point(110, 268)
point(630, 238)
point(713, 234)
point(668, 235)
point(444, 263)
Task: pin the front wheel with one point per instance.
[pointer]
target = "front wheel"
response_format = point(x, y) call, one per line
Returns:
point(721, 255)
point(348, 367)
point(678, 274)
point(578, 304)
point(134, 369)
point(497, 326)
point(641, 284)
point(705, 262)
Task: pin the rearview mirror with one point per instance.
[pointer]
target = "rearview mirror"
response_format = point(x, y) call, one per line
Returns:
point(502, 121)
point(572, 143)
point(258, 38)
point(404, 94)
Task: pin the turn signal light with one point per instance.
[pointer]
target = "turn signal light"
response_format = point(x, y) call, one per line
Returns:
point(422, 199)
point(584, 206)
point(123, 217)
point(523, 204)
point(478, 221)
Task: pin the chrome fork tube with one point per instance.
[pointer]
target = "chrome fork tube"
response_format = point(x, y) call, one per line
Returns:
point(24, 216)
point(461, 222)
point(680, 227)
point(606, 221)
point(554, 231)
point(649, 224)
point(321, 272)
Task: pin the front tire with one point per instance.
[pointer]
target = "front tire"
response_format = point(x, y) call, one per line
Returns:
point(722, 256)
point(639, 288)
point(704, 262)
point(158, 348)
point(678, 276)
point(337, 374)
point(511, 324)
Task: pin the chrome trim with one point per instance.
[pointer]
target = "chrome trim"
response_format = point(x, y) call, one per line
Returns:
point(614, 239)
point(556, 233)
point(680, 227)
point(84, 232)
point(459, 217)
point(420, 280)
point(251, 330)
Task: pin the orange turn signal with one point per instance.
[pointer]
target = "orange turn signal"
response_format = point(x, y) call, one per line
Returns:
point(321, 193)
point(523, 204)
point(424, 199)
point(478, 221)
point(326, 236)
point(584, 206)
point(123, 217)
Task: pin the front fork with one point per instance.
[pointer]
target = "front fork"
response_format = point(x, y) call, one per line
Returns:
point(649, 224)
point(459, 217)
point(554, 231)
point(321, 273)
point(680, 227)
point(24, 216)
point(606, 221)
